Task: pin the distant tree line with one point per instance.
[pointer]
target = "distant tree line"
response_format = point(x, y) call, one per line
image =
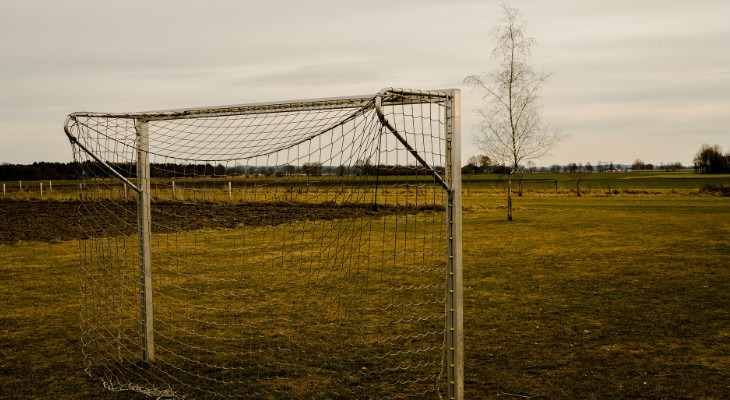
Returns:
point(75, 170)
point(482, 164)
point(38, 171)
point(710, 160)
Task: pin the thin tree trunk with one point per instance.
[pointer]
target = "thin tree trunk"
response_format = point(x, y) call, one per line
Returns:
point(509, 197)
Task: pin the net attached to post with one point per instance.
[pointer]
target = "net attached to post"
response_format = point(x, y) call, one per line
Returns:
point(297, 249)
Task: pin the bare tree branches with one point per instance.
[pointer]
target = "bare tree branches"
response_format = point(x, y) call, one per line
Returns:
point(511, 129)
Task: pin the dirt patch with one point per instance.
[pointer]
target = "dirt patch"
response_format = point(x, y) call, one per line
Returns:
point(47, 221)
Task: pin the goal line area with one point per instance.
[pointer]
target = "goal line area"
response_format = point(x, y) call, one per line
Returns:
point(294, 249)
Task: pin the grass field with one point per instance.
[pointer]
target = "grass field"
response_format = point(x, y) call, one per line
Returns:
point(602, 182)
point(602, 296)
point(608, 297)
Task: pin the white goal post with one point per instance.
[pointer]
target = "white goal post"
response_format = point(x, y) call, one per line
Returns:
point(293, 249)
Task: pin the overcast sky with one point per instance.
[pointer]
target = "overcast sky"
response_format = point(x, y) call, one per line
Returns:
point(631, 79)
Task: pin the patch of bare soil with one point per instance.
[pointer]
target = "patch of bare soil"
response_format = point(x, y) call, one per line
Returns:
point(47, 221)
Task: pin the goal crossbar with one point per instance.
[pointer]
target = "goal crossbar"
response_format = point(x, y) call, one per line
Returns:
point(388, 96)
point(385, 97)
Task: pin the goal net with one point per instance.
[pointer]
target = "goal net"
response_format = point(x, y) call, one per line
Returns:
point(296, 249)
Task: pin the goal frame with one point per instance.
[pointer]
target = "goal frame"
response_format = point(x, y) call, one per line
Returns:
point(451, 183)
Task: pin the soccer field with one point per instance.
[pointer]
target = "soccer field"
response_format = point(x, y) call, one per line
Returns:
point(620, 296)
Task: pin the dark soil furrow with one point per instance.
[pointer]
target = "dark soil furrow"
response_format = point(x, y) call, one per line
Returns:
point(65, 220)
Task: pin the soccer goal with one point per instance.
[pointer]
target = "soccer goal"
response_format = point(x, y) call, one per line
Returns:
point(293, 249)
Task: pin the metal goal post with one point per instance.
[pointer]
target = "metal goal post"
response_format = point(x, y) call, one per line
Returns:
point(101, 143)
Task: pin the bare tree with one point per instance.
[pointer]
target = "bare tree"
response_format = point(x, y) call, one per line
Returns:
point(473, 161)
point(289, 169)
point(710, 160)
point(485, 164)
point(638, 165)
point(312, 168)
point(472, 165)
point(531, 167)
point(512, 131)
point(579, 177)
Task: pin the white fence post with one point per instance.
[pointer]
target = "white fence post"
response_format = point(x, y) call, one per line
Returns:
point(41, 190)
point(229, 191)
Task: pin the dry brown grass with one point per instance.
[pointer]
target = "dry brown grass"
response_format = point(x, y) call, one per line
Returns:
point(594, 297)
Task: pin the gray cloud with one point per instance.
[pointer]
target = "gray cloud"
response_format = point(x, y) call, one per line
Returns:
point(626, 75)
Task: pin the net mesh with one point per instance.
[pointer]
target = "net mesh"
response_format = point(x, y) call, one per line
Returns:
point(297, 250)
